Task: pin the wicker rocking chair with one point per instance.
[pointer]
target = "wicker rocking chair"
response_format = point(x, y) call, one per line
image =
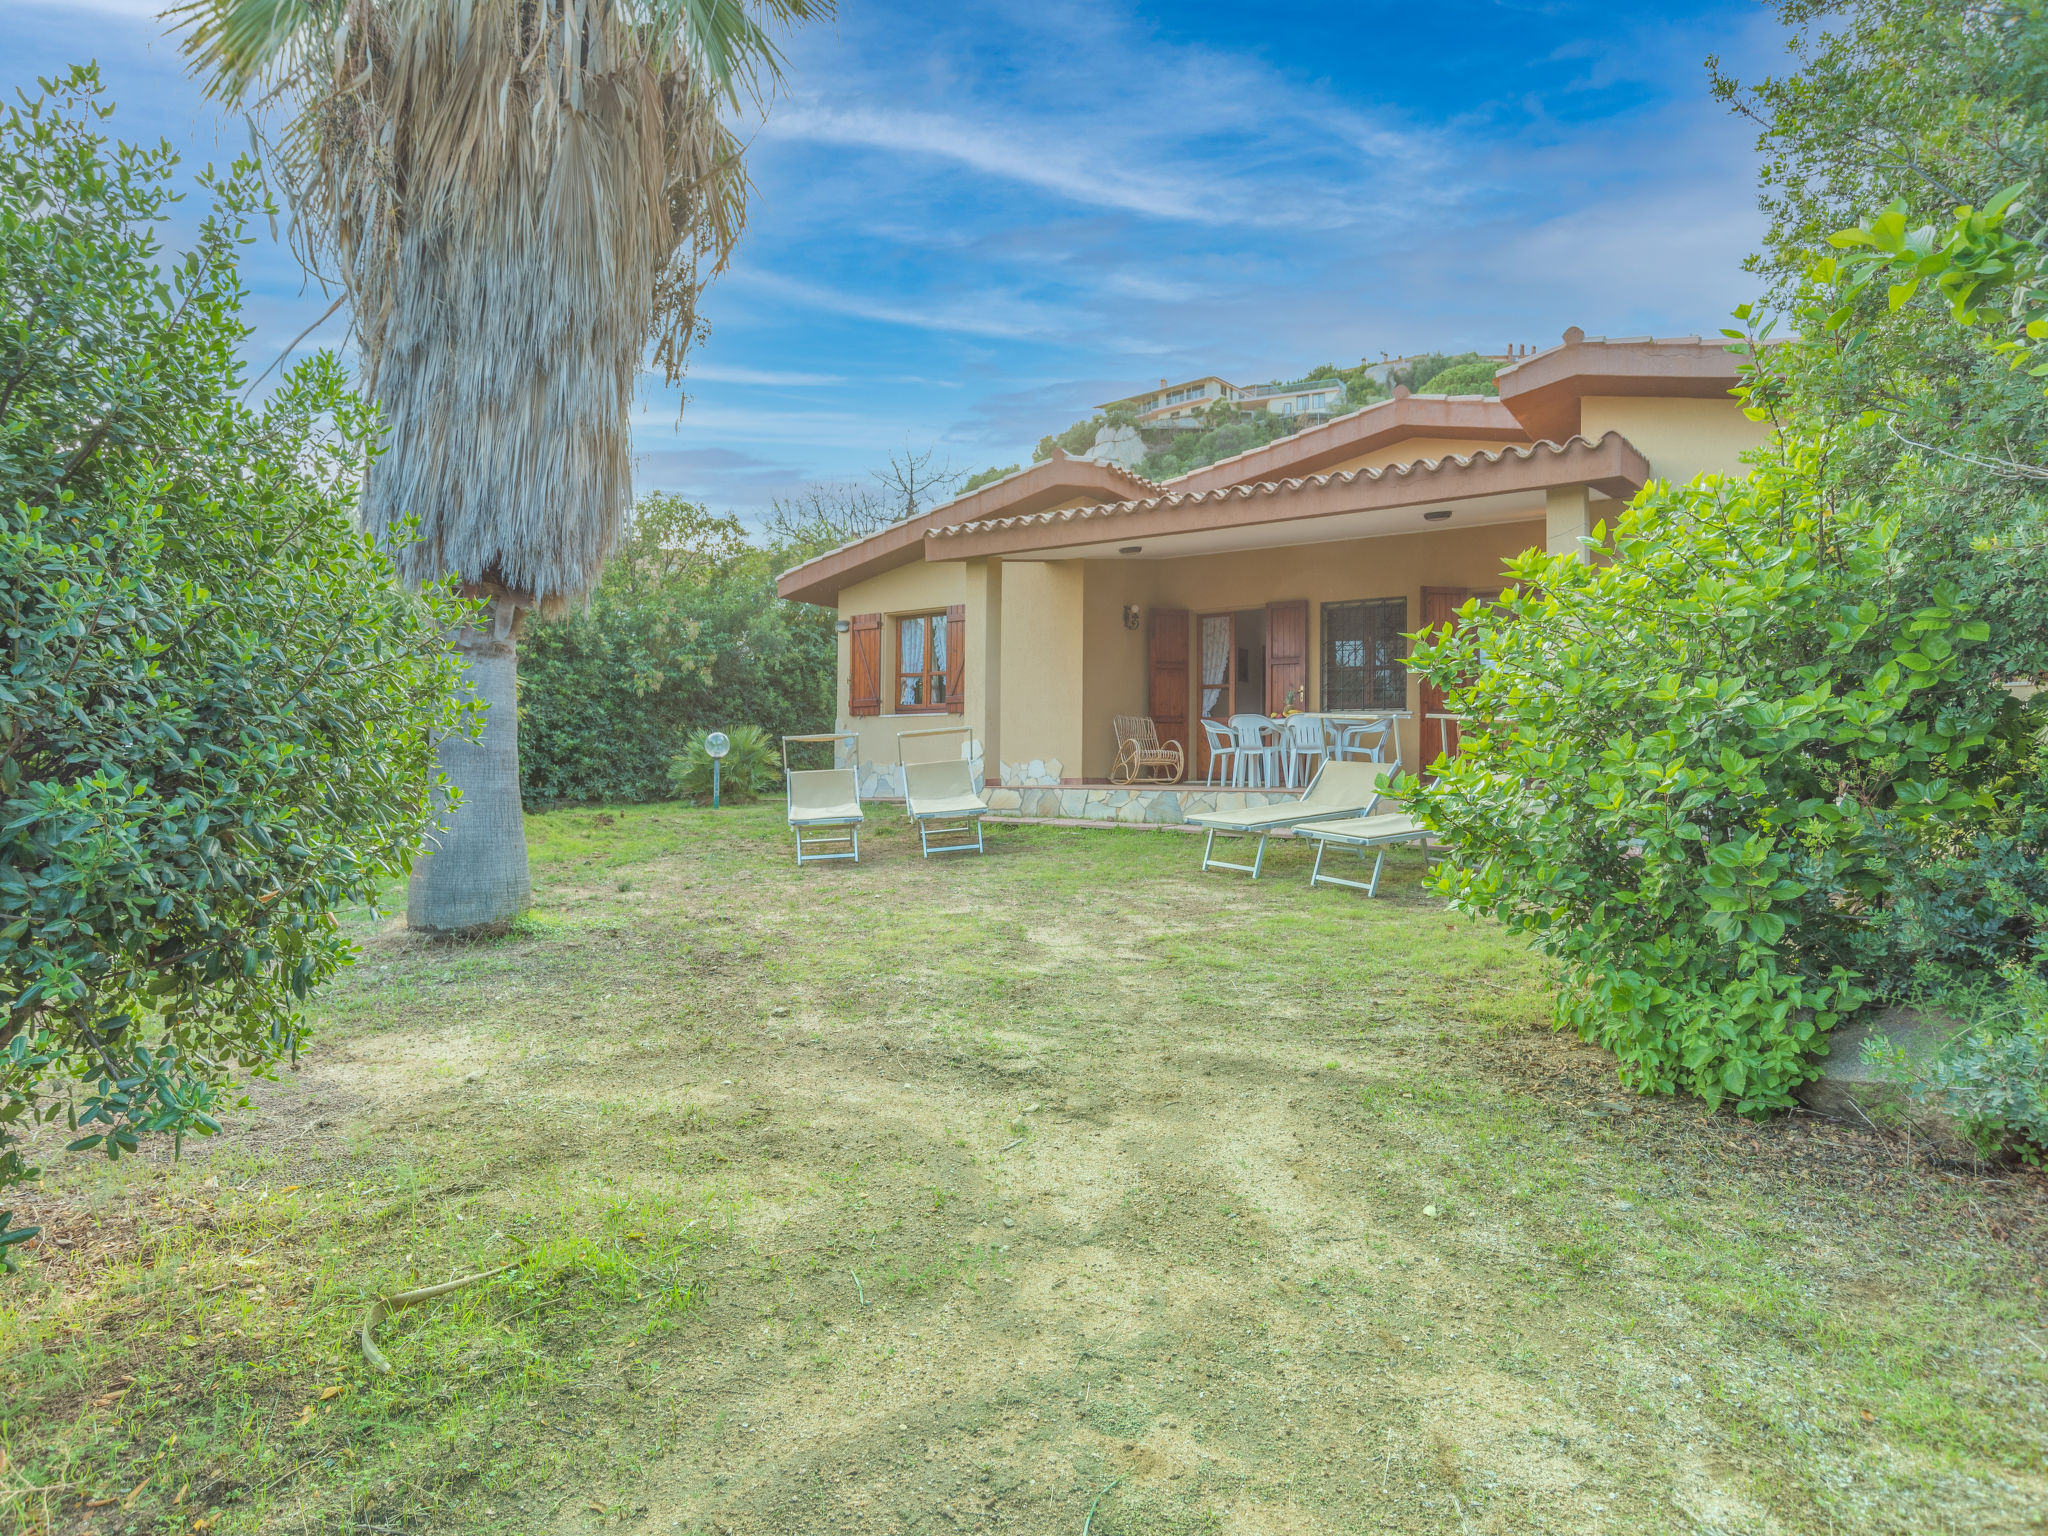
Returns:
point(1140, 759)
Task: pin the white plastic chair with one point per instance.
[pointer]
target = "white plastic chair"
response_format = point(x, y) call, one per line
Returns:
point(1304, 747)
point(1368, 740)
point(1258, 753)
point(1222, 751)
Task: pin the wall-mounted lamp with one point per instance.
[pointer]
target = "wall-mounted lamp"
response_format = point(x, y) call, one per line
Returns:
point(842, 626)
point(1439, 515)
point(1130, 549)
point(1131, 616)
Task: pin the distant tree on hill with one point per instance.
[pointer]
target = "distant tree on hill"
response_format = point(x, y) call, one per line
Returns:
point(987, 477)
point(1473, 378)
point(1422, 374)
point(1080, 437)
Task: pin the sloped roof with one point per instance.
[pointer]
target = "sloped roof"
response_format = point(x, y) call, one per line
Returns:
point(1543, 390)
point(1312, 449)
point(1612, 466)
point(1040, 485)
point(1539, 404)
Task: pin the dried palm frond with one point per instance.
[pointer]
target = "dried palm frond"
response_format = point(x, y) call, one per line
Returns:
point(521, 198)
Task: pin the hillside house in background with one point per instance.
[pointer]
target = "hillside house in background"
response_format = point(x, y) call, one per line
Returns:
point(1184, 406)
point(1044, 604)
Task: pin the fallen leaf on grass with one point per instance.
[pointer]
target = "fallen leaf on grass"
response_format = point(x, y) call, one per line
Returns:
point(304, 1419)
point(331, 1394)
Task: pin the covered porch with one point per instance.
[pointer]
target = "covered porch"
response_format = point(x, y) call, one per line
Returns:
point(1253, 600)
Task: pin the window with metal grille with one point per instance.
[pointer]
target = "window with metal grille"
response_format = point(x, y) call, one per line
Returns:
point(1365, 654)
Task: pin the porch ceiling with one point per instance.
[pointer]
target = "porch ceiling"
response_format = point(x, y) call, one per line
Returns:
point(1485, 488)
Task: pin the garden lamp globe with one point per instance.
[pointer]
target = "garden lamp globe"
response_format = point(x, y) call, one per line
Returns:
point(716, 745)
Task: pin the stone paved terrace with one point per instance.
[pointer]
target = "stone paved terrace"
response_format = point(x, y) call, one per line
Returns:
point(1153, 803)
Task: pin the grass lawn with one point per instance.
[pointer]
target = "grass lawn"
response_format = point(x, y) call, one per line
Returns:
point(909, 1198)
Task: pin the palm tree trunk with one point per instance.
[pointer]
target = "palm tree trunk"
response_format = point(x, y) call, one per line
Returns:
point(473, 876)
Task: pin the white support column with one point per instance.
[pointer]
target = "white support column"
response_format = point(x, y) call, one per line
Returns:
point(984, 669)
point(1568, 519)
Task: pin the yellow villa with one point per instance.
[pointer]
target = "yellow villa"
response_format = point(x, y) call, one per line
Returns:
point(1040, 607)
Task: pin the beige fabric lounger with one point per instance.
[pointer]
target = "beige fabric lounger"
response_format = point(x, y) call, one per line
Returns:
point(940, 797)
point(1362, 832)
point(823, 803)
point(1339, 789)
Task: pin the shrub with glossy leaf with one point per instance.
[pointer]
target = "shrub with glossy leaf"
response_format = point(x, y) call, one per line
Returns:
point(752, 766)
point(1993, 1075)
point(218, 709)
point(1697, 766)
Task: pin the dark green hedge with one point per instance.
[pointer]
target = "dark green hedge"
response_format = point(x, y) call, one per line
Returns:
point(684, 633)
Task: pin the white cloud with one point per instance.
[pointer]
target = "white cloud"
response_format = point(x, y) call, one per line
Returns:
point(993, 314)
point(140, 10)
point(1012, 151)
point(726, 373)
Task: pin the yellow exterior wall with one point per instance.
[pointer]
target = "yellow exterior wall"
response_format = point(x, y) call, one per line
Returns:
point(1415, 448)
point(1043, 636)
point(1680, 438)
point(1115, 678)
point(919, 588)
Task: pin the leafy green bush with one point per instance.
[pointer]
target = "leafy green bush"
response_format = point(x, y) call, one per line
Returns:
point(1993, 1076)
point(684, 631)
point(218, 712)
point(1698, 766)
point(752, 766)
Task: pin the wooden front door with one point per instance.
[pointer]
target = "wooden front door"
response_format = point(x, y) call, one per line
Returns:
point(1286, 655)
point(1167, 666)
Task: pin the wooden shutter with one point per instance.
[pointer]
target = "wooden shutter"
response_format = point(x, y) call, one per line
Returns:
point(1440, 607)
point(1167, 658)
point(1286, 653)
point(956, 659)
point(864, 665)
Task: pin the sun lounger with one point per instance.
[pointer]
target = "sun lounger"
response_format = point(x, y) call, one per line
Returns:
point(824, 804)
point(1338, 790)
point(1362, 832)
point(941, 798)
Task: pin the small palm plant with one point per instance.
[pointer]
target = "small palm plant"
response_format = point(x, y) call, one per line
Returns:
point(750, 769)
point(521, 199)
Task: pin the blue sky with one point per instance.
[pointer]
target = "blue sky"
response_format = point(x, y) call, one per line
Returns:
point(976, 219)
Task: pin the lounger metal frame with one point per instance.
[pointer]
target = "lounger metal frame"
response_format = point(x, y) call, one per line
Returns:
point(821, 836)
point(1382, 844)
point(952, 824)
point(1210, 861)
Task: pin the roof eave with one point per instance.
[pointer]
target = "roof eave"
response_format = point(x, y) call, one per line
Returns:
point(1613, 466)
point(1400, 418)
point(821, 578)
